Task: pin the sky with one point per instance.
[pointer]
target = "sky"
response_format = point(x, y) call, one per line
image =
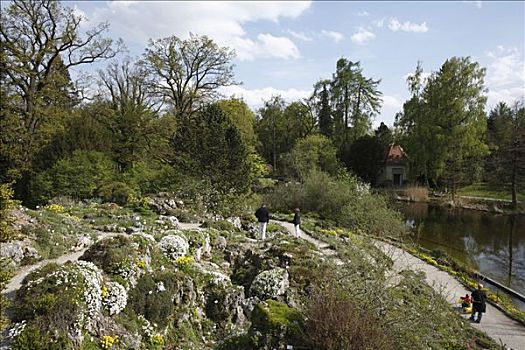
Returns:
point(285, 47)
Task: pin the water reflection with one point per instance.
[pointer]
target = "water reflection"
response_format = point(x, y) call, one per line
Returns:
point(494, 244)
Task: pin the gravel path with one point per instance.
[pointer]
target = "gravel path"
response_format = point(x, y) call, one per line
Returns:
point(16, 281)
point(495, 323)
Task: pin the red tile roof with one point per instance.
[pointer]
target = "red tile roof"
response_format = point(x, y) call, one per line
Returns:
point(395, 154)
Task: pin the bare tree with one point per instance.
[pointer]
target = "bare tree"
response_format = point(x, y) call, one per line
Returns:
point(187, 74)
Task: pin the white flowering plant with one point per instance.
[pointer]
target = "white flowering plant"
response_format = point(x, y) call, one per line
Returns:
point(270, 284)
point(174, 246)
point(114, 297)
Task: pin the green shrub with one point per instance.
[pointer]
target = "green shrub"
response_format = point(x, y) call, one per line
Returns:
point(33, 338)
point(77, 176)
point(6, 203)
point(315, 152)
point(146, 298)
point(114, 254)
point(343, 199)
point(272, 316)
point(115, 192)
point(5, 276)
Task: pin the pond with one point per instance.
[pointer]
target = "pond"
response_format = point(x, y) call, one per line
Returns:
point(493, 244)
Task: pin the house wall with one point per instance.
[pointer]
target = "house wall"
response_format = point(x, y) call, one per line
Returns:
point(387, 174)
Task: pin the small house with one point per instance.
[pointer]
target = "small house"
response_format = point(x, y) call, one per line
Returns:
point(394, 169)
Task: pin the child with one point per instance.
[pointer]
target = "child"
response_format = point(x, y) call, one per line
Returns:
point(466, 302)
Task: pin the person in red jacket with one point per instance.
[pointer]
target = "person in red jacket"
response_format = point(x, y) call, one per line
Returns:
point(466, 301)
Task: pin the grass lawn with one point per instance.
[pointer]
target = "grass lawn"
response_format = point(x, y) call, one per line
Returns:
point(486, 191)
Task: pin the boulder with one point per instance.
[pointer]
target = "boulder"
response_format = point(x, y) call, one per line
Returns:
point(235, 221)
point(18, 250)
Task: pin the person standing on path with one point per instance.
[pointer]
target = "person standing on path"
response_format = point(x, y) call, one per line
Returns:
point(478, 303)
point(263, 216)
point(296, 222)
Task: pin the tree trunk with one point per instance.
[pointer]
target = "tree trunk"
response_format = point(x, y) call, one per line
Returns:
point(512, 219)
point(514, 178)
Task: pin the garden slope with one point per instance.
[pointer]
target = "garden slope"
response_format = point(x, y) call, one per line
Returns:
point(495, 323)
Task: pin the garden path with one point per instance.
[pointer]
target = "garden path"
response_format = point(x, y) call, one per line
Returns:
point(495, 323)
point(16, 281)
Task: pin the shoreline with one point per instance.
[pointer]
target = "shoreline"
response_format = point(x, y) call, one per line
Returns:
point(495, 206)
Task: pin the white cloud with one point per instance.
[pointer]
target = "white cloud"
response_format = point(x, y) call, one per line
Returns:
point(505, 75)
point(508, 96)
point(277, 46)
point(300, 35)
point(335, 36)
point(506, 66)
point(391, 105)
point(138, 21)
point(256, 97)
point(362, 36)
point(391, 102)
point(407, 26)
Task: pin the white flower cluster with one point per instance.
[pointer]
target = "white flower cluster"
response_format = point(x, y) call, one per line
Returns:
point(16, 329)
point(270, 283)
point(147, 328)
point(160, 287)
point(362, 188)
point(218, 278)
point(93, 289)
point(174, 246)
point(116, 298)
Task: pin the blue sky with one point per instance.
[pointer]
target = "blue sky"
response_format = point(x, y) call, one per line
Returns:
point(285, 47)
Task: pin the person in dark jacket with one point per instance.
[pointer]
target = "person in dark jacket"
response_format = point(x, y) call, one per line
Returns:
point(296, 222)
point(263, 216)
point(478, 303)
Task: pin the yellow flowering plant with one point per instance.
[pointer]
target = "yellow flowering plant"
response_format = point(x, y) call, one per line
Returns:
point(108, 341)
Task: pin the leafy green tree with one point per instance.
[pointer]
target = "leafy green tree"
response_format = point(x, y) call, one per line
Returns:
point(78, 176)
point(355, 98)
point(209, 146)
point(279, 127)
point(315, 152)
point(133, 109)
point(446, 121)
point(300, 122)
point(506, 136)
point(385, 135)
point(40, 41)
point(321, 103)
point(242, 116)
point(416, 134)
point(186, 74)
point(270, 131)
point(366, 157)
